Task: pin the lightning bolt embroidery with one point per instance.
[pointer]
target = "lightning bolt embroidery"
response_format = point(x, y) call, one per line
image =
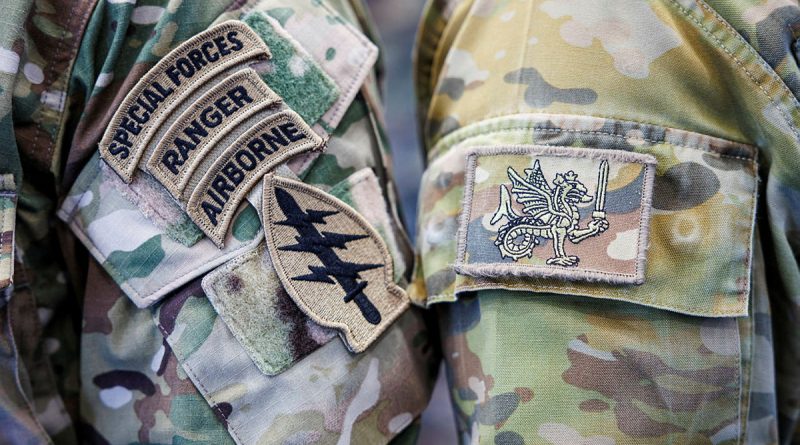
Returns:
point(322, 244)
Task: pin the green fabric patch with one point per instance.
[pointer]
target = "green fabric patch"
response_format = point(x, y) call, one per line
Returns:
point(184, 232)
point(249, 297)
point(293, 74)
point(246, 225)
point(138, 263)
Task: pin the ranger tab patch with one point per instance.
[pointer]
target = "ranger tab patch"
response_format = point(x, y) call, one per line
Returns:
point(270, 142)
point(185, 69)
point(332, 263)
point(199, 129)
point(556, 212)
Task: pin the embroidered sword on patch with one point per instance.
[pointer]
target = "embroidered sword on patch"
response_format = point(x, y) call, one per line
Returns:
point(600, 195)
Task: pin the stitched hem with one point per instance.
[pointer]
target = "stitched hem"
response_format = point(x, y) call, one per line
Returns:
point(212, 404)
point(584, 124)
point(583, 292)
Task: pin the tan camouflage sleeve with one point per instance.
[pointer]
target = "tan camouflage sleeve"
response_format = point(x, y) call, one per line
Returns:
point(608, 221)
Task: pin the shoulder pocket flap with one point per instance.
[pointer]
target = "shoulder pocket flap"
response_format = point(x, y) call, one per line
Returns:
point(149, 248)
point(661, 224)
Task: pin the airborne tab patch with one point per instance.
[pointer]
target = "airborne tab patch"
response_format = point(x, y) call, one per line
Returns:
point(199, 128)
point(332, 263)
point(556, 212)
point(270, 142)
point(171, 80)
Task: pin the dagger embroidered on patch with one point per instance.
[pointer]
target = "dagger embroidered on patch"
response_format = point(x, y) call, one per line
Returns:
point(578, 214)
point(332, 263)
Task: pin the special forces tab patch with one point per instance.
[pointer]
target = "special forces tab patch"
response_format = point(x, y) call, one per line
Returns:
point(273, 140)
point(197, 130)
point(332, 263)
point(556, 212)
point(168, 83)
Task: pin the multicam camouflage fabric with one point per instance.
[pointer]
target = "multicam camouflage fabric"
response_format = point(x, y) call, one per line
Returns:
point(107, 335)
point(121, 345)
point(706, 349)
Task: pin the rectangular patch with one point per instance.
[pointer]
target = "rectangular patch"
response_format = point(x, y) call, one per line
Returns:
point(8, 212)
point(339, 48)
point(248, 295)
point(273, 140)
point(173, 78)
point(200, 128)
point(577, 214)
point(292, 72)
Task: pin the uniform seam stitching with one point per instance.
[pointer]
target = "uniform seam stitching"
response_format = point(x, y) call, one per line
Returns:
point(131, 289)
point(569, 130)
point(739, 62)
point(611, 294)
point(206, 393)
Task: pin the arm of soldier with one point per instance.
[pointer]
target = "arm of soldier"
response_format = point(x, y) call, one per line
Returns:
point(673, 80)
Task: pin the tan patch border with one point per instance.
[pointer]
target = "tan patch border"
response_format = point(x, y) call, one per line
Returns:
point(388, 269)
point(491, 270)
point(165, 177)
point(217, 234)
point(126, 167)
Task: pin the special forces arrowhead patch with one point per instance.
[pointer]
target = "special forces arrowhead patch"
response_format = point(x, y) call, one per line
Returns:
point(332, 263)
point(556, 212)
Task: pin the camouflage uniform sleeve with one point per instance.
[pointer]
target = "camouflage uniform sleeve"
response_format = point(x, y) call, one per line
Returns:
point(208, 246)
point(10, 166)
point(608, 222)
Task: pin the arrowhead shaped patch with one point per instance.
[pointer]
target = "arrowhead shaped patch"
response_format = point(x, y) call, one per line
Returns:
point(332, 263)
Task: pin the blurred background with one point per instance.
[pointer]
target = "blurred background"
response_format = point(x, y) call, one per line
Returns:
point(396, 22)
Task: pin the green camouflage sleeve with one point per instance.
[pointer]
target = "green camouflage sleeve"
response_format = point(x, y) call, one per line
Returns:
point(208, 249)
point(609, 221)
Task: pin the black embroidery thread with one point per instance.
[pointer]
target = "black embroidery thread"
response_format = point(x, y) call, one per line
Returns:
point(322, 244)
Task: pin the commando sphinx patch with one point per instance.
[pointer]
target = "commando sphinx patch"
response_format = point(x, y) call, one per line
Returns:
point(556, 212)
point(332, 263)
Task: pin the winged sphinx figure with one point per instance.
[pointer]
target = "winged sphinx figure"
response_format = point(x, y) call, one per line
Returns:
point(548, 212)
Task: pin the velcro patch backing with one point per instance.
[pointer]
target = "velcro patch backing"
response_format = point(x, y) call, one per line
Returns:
point(200, 128)
point(332, 263)
point(270, 142)
point(556, 212)
point(171, 80)
point(248, 295)
point(292, 72)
